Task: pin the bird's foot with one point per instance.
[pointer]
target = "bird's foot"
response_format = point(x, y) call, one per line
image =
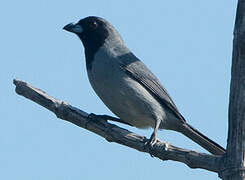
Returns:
point(150, 143)
point(94, 117)
point(106, 117)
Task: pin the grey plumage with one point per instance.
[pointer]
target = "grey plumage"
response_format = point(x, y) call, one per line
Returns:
point(127, 87)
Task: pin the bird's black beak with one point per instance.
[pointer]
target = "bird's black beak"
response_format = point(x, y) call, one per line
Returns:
point(74, 28)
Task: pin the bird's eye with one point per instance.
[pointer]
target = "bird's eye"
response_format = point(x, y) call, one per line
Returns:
point(93, 25)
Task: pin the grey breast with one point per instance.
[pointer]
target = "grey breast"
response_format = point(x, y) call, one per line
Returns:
point(124, 96)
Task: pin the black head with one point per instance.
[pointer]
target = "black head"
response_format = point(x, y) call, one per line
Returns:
point(93, 32)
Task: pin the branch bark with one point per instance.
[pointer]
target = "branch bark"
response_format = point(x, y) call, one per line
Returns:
point(113, 133)
point(234, 164)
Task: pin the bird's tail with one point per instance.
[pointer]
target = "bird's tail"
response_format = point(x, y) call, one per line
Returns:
point(202, 140)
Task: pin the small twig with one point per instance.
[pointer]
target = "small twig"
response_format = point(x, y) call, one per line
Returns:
point(113, 133)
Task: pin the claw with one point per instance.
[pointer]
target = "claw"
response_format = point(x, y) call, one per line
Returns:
point(94, 117)
point(150, 143)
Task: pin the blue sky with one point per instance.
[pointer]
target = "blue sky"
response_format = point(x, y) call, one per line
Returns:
point(187, 44)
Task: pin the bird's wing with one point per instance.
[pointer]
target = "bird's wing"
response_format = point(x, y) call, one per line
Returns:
point(139, 72)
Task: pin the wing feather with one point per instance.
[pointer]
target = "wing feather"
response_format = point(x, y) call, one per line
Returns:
point(139, 72)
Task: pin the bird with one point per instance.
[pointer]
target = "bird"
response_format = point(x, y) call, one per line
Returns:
point(127, 87)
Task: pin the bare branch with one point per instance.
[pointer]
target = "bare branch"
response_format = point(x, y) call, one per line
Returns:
point(113, 133)
point(234, 163)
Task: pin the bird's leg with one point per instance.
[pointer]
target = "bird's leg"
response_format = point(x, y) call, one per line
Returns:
point(153, 137)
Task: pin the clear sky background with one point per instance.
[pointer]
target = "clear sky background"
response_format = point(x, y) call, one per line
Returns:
point(188, 46)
